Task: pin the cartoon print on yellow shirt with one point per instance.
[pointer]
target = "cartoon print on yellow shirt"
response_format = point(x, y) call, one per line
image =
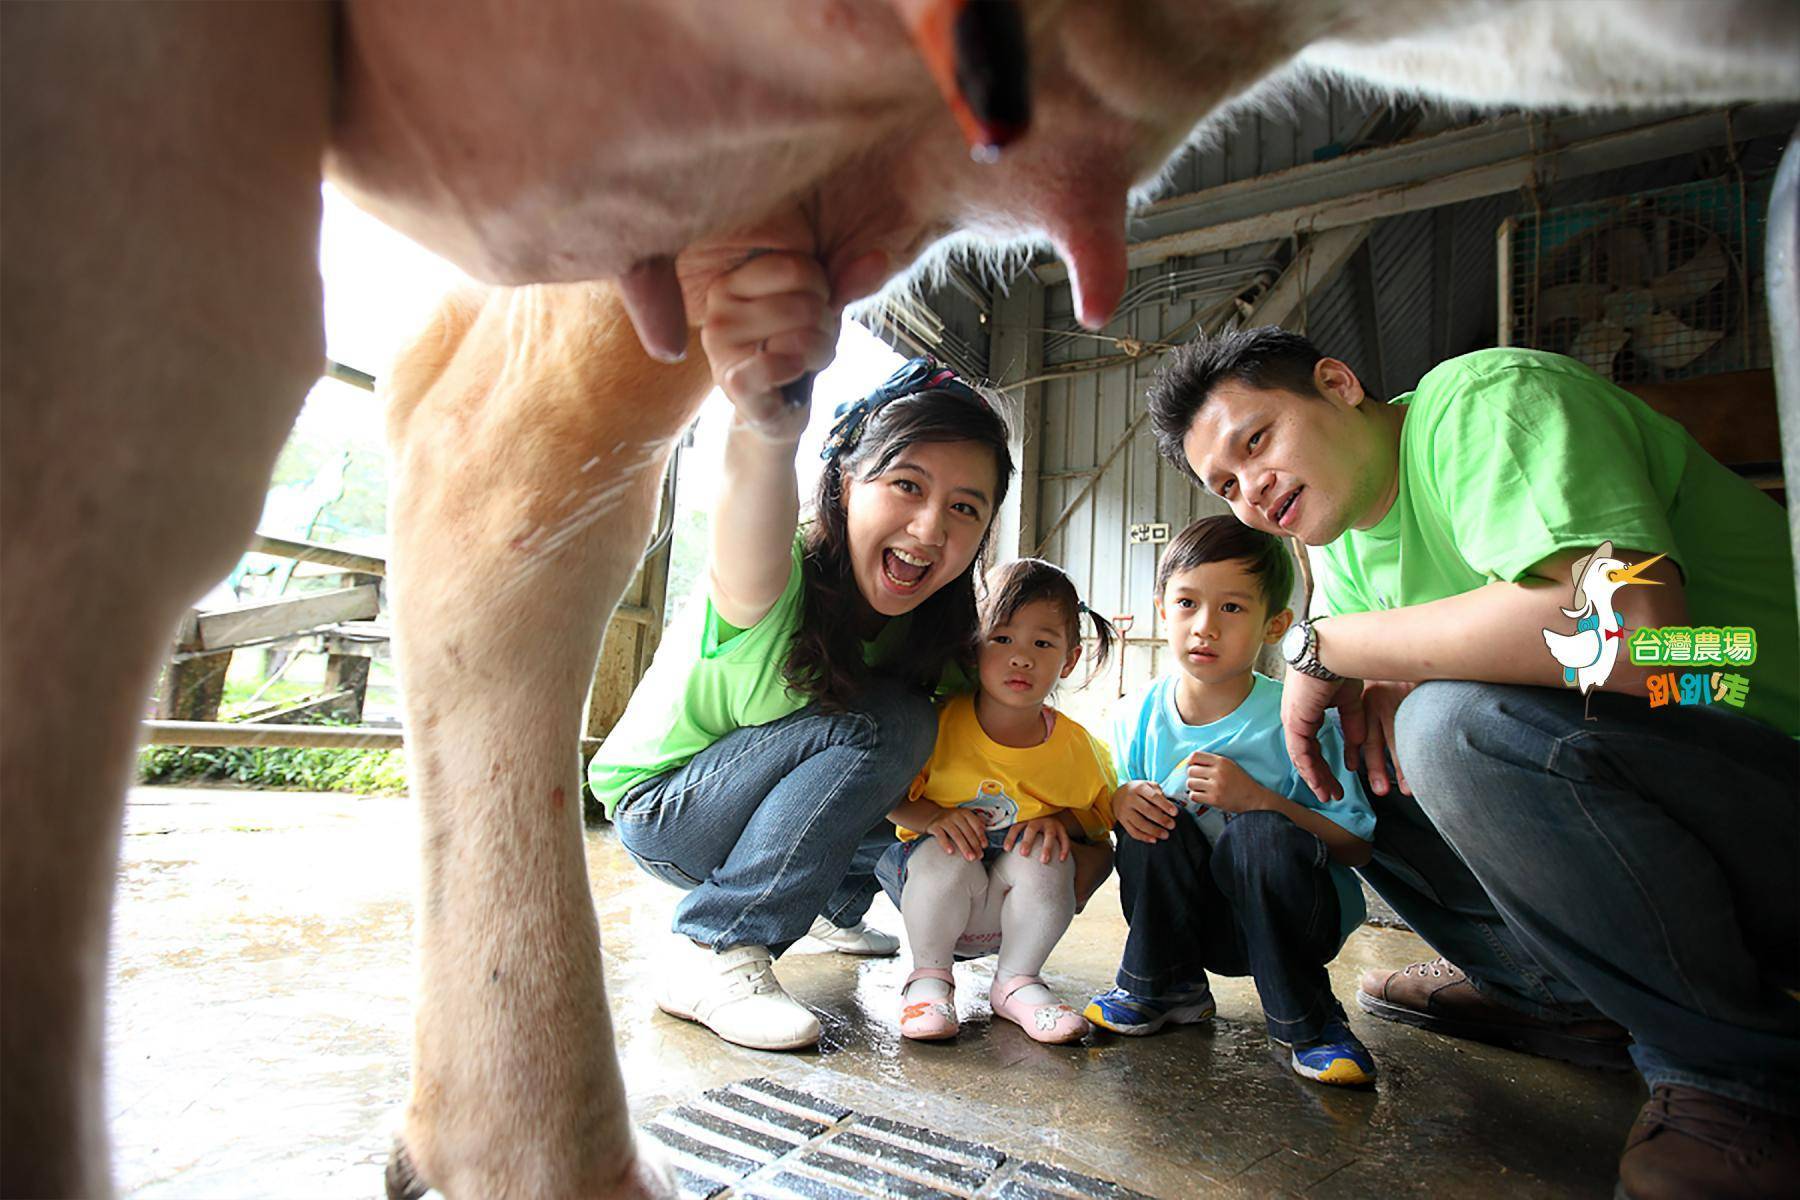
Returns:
point(991, 801)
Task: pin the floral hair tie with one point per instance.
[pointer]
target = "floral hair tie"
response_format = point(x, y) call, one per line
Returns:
point(917, 375)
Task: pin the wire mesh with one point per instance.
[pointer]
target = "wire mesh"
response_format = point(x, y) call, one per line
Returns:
point(1644, 288)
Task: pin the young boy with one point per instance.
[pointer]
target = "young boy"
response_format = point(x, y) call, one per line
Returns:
point(1229, 863)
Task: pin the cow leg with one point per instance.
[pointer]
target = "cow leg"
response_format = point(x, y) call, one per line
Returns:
point(159, 326)
point(529, 433)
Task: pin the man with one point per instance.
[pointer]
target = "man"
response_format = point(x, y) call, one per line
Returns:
point(1580, 859)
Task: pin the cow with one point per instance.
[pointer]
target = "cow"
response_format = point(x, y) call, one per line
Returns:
point(603, 163)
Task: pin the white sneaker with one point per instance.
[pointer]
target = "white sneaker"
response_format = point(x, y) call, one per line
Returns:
point(855, 939)
point(736, 995)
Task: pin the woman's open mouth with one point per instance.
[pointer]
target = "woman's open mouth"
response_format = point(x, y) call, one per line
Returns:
point(904, 572)
point(1285, 512)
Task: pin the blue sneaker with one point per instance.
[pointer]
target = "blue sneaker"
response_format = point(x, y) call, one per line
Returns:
point(1123, 1012)
point(1336, 1058)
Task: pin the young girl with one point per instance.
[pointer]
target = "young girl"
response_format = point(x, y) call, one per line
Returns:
point(783, 718)
point(1010, 785)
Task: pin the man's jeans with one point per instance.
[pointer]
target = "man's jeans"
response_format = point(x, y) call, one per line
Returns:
point(1644, 865)
point(1259, 902)
point(774, 825)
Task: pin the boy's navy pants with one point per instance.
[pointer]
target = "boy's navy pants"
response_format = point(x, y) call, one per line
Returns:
point(1259, 902)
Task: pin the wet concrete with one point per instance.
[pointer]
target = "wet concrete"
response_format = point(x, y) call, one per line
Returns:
point(259, 1030)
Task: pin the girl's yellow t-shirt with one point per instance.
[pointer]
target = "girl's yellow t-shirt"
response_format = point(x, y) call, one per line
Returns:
point(1010, 784)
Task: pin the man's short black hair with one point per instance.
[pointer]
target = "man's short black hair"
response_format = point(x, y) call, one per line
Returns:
point(1266, 357)
point(1227, 539)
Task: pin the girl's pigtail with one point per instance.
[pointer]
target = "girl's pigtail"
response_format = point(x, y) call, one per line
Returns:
point(1105, 635)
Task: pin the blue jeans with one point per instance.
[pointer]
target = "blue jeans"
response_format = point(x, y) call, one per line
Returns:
point(774, 825)
point(1259, 902)
point(1644, 866)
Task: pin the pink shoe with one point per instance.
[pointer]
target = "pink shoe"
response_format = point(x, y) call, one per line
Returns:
point(1053, 1023)
point(928, 1020)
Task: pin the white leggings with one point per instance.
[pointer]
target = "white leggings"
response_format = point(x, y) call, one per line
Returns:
point(1019, 903)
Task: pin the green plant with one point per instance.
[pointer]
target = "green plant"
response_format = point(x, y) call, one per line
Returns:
point(310, 770)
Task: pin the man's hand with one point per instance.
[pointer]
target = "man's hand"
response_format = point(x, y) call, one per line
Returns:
point(769, 322)
point(1304, 701)
point(1141, 809)
point(1380, 701)
point(960, 831)
point(1048, 832)
point(1220, 783)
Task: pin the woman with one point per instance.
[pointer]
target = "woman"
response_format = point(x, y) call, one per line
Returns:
point(788, 711)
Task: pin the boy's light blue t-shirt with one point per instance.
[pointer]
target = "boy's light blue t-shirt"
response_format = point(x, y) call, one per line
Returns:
point(1151, 741)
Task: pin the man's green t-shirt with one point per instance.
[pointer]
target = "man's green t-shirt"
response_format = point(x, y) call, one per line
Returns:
point(1509, 456)
point(709, 678)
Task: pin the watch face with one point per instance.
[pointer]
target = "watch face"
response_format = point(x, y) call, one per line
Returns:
point(1293, 642)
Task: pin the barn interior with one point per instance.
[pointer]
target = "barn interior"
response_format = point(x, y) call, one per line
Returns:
point(259, 1027)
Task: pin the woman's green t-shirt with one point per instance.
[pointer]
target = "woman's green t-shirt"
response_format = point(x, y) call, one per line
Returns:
point(709, 678)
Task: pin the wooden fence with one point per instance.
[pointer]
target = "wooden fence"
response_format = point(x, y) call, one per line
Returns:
point(343, 622)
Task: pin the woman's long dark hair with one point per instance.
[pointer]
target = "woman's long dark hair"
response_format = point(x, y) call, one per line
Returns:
point(825, 662)
point(1013, 585)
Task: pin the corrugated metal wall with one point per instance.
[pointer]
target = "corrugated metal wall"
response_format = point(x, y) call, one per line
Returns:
point(1083, 419)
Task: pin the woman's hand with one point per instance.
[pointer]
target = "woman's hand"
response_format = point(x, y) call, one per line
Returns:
point(768, 322)
point(960, 831)
point(1047, 832)
point(1141, 810)
point(1218, 782)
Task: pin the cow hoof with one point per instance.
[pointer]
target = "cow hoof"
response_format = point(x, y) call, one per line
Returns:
point(403, 1182)
point(650, 1177)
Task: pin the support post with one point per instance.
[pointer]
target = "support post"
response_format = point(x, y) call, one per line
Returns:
point(1368, 306)
point(349, 672)
point(1783, 281)
point(192, 687)
point(1015, 354)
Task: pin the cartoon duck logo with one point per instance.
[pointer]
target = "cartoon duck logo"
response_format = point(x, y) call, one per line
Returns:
point(1590, 653)
point(996, 807)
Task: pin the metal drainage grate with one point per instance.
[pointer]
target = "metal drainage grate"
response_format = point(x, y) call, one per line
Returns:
point(756, 1138)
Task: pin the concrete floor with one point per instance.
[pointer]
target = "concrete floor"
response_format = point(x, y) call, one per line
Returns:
point(259, 1028)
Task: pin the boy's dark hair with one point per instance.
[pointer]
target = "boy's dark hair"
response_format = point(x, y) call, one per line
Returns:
point(825, 662)
point(1013, 585)
point(1265, 357)
point(1226, 539)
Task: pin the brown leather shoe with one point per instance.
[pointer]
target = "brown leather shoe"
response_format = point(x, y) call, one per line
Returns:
point(1438, 996)
point(1689, 1143)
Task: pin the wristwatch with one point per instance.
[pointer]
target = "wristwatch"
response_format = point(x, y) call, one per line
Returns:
point(1300, 647)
